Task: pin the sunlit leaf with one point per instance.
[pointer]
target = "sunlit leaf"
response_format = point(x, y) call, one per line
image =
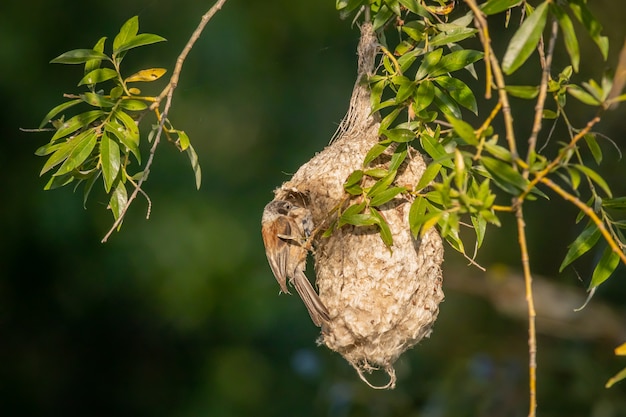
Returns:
point(585, 241)
point(146, 75)
point(423, 96)
point(78, 56)
point(97, 100)
point(582, 95)
point(592, 143)
point(525, 39)
point(128, 31)
point(431, 172)
point(133, 105)
point(605, 267)
point(593, 27)
point(522, 91)
point(195, 165)
point(77, 122)
point(97, 76)
point(464, 130)
point(459, 91)
point(118, 200)
point(615, 379)
point(386, 196)
point(383, 227)
point(455, 61)
point(428, 62)
point(496, 6)
point(569, 35)
point(505, 176)
point(595, 177)
point(81, 151)
point(58, 109)
point(447, 106)
point(110, 160)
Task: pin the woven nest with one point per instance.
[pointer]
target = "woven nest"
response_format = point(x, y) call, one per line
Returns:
point(380, 301)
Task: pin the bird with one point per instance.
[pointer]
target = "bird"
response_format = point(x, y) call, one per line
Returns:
point(285, 228)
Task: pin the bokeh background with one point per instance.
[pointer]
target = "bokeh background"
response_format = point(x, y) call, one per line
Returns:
point(179, 315)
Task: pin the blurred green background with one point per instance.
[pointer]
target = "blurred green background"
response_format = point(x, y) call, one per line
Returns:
point(179, 315)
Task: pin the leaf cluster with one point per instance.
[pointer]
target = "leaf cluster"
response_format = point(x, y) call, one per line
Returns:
point(101, 138)
point(420, 89)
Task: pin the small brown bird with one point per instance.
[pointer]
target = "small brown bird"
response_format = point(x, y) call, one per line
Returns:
point(285, 228)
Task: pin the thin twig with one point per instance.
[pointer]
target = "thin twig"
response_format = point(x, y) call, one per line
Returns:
point(532, 333)
point(167, 92)
point(546, 64)
point(589, 213)
point(498, 75)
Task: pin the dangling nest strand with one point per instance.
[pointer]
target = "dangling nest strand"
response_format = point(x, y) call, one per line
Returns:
point(380, 301)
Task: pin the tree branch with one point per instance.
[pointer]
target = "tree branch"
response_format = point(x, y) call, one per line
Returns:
point(167, 92)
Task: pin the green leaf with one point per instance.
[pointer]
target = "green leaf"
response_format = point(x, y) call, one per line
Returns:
point(97, 76)
point(128, 31)
point(452, 36)
point(77, 122)
point(616, 378)
point(582, 95)
point(385, 196)
point(133, 105)
point(423, 96)
point(595, 177)
point(110, 160)
point(125, 137)
point(398, 135)
point(97, 100)
point(592, 143)
point(146, 75)
point(459, 91)
point(78, 56)
point(139, 40)
point(383, 227)
point(504, 175)
point(399, 155)
point(416, 215)
point(525, 39)
point(428, 62)
point(118, 200)
point(183, 140)
point(430, 173)
point(80, 152)
point(58, 109)
point(446, 104)
point(131, 127)
point(374, 153)
point(593, 27)
point(618, 203)
point(382, 184)
point(89, 186)
point(406, 88)
point(455, 61)
point(383, 15)
point(353, 183)
point(415, 7)
point(522, 91)
point(605, 267)
point(436, 150)
point(195, 165)
point(569, 35)
point(93, 64)
point(585, 241)
point(497, 6)
point(464, 130)
point(480, 226)
point(390, 118)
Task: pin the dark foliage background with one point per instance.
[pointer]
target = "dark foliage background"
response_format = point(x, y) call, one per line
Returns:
point(179, 315)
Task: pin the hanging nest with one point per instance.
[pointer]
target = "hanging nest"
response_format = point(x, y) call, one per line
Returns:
point(381, 301)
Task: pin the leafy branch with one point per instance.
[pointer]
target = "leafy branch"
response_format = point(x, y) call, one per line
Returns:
point(104, 140)
point(421, 78)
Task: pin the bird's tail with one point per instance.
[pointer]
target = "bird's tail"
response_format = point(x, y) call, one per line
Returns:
point(317, 309)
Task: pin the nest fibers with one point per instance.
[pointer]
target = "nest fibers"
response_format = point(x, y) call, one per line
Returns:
point(380, 302)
